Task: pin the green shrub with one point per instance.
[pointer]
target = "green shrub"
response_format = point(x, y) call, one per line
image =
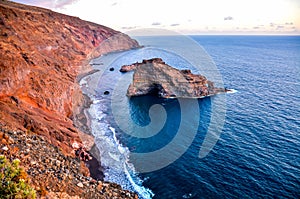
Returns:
point(14, 180)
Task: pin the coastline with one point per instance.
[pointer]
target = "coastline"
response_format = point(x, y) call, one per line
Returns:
point(115, 164)
point(82, 118)
point(40, 96)
point(82, 122)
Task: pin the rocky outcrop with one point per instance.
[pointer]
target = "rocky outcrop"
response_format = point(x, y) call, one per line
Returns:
point(155, 77)
point(41, 55)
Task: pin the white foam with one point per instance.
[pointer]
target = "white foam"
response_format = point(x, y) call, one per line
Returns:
point(144, 192)
point(188, 195)
point(83, 82)
point(114, 156)
point(232, 91)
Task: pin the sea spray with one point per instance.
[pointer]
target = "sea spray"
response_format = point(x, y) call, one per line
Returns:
point(232, 91)
point(114, 156)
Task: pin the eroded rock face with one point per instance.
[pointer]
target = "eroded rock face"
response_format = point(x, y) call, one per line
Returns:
point(155, 77)
point(41, 54)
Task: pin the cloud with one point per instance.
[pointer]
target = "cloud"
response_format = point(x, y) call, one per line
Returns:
point(45, 4)
point(113, 4)
point(229, 18)
point(62, 3)
point(175, 24)
point(289, 23)
point(129, 27)
point(156, 23)
point(51, 4)
point(283, 27)
point(280, 27)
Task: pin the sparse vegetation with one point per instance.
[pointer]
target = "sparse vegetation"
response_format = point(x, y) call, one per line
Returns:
point(14, 182)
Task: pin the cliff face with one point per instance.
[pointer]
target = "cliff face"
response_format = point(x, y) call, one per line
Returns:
point(41, 54)
point(155, 77)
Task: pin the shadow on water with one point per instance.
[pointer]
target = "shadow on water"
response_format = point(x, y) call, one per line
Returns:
point(139, 110)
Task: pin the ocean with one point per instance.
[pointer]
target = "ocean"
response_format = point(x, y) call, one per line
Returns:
point(244, 144)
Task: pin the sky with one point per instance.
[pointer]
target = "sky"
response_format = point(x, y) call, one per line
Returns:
point(185, 16)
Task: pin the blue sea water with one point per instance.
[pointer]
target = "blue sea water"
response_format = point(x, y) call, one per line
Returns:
point(257, 154)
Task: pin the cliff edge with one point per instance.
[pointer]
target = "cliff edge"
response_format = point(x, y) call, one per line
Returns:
point(42, 55)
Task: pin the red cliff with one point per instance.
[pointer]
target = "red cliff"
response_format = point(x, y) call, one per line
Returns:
point(41, 55)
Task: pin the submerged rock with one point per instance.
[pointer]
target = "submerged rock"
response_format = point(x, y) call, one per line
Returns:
point(155, 77)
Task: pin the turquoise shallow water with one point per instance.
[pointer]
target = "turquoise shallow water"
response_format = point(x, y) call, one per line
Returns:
point(258, 152)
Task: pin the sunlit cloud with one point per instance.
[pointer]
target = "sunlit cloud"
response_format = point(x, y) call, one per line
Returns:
point(192, 16)
point(51, 4)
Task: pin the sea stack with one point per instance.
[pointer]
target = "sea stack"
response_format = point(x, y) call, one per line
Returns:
point(155, 77)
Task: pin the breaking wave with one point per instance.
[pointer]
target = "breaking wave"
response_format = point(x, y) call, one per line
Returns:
point(114, 157)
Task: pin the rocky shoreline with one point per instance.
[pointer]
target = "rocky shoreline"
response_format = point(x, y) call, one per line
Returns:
point(42, 109)
point(53, 174)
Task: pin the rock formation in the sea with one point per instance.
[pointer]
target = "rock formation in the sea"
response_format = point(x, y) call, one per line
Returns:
point(42, 53)
point(155, 77)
